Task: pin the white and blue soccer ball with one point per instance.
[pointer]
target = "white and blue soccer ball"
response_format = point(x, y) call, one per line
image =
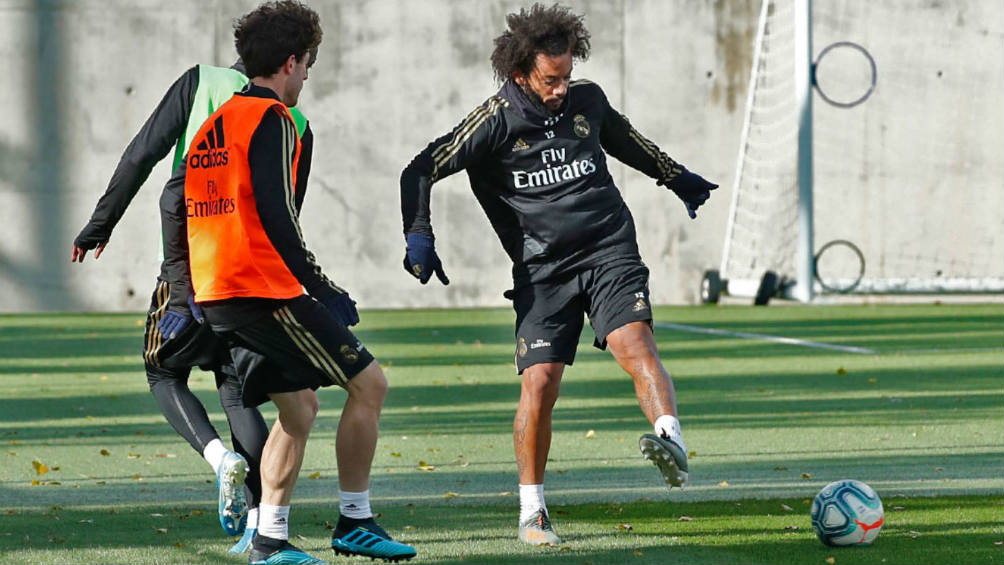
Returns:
point(847, 512)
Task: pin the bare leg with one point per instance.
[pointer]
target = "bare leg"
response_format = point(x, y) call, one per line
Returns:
point(633, 346)
point(358, 428)
point(531, 430)
point(283, 453)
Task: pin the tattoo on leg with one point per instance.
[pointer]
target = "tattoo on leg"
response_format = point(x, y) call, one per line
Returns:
point(519, 438)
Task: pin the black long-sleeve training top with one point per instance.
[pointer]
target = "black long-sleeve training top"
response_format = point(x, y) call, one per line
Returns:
point(542, 178)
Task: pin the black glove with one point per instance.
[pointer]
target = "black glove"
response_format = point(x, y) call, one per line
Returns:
point(91, 236)
point(342, 308)
point(420, 258)
point(692, 189)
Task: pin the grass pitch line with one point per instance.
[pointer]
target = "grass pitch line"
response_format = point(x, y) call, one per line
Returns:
point(765, 337)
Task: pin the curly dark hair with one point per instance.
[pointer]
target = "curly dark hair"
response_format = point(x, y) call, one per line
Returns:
point(549, 30)
point(267, 36)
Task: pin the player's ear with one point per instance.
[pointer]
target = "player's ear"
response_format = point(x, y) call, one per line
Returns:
point(519, 77)
point(290, 64)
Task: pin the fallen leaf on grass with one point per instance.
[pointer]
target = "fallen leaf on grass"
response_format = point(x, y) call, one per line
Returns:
point(590, 434)
point(624, 527)
point(723, 484)
point(831, 560)
point(686, 519)
point(841, 371)
point(105, 452)
point(806, 475)
point(425, 466)
point(160, 530)
point(638, 553)
point(40, 468)
point(315, 475)
point(395, 454)
point(451, 495)
point(780, 468)
point(786, 508)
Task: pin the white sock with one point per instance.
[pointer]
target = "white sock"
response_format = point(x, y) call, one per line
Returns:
point(252, 518)
point(214, 452)
point(668, 426)
point(531, 499)
point(354, 504)
point(273, 521)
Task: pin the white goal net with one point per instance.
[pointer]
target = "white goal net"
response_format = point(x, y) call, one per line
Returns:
point(908, 185)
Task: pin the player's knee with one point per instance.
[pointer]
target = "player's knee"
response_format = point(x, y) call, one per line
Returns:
point(297, 416)
point(370, 385)
point(541, 384)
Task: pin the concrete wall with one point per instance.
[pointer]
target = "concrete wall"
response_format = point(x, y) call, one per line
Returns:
point(391, 75)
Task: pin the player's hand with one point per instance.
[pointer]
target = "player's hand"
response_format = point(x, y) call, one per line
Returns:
point(173, 323)
point(692, 189)
point(343, 308)
point(420, 258)
point(196, 309)
point(78, 253)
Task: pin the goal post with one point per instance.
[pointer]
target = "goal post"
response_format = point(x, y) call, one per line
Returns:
point(890, 182)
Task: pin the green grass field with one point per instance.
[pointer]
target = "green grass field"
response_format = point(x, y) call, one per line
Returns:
point(907, 398)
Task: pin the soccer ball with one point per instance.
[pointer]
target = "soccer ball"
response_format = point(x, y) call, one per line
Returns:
point(847, 513)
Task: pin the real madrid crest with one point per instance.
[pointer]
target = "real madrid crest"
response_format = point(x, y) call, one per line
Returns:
point(349, 354)
point(580, 125)
point(521, 347)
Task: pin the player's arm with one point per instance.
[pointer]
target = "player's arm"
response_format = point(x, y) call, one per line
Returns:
point(303, 167)
point(181, 307)
point(270, 159)
point(472, 140)
point(153, 142)
point(621, 140)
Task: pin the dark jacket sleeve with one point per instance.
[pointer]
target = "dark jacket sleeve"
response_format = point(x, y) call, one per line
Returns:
point(473, 139)
point(303, 168)
point(154, 141)
point(175, 269)
point(270, 158)
point(619, 138)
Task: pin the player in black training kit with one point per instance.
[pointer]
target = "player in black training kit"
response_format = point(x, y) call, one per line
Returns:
point(173, 342)
point(536, 157)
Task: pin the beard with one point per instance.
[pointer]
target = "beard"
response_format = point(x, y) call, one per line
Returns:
point(536, 100)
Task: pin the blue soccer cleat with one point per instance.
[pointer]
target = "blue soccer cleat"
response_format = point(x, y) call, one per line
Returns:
point(233, 506)
point(288, 554)
point(244, 543)
point(367, 538)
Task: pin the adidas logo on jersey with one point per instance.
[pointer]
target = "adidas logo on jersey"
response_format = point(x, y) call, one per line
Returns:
point(520, 145)
point(211, 151)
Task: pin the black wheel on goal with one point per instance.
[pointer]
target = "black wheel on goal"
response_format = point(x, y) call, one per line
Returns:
point(850, 262)
point(767, 289)
point(711, 287)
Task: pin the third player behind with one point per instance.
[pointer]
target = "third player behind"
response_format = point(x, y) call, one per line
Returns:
point(535, 154)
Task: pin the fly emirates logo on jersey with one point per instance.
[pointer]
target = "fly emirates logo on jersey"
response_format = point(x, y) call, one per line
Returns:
point(555, 170)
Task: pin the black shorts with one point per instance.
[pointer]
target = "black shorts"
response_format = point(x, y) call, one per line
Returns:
point(297, 346)
point(195, 346)
point(549, 314)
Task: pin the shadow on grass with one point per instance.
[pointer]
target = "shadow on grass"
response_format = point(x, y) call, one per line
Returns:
point(744, 531)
